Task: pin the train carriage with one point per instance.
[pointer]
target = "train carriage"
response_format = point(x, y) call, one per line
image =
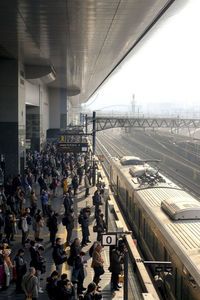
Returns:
point(166, 222)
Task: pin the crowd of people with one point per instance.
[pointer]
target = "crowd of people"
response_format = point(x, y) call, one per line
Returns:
point(22, 210)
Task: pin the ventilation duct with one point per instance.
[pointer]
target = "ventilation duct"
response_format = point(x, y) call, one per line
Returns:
point(39, 74)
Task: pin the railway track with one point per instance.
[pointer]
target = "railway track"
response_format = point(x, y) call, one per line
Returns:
point(167, 166)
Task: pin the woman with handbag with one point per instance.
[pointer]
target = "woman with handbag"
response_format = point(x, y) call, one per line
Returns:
point(97, 265)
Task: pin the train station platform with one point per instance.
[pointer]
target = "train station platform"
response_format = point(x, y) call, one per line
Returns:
point(57, 204)
point(79, 203)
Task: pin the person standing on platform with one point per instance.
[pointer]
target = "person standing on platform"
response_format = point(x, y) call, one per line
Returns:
point(25, 229)
point(42, 183)
point(64, 185)
point(97, 264)
point(87, 185)
point(97, 200)
point(90, 291)
point(75, 184)
point(51, 286)
point(67, 203)
point(44, 202)
point(67, 292)
point(78, 272)
point(59, 256)
point(20, 269)
point(75, 250)
point(38, 224)
point(115, 269)
point(85, 228)
point(33, 202)
point(53, 186)
point(38, 263)
point(80, 173)
point(53, 227)
point(30, 284)
point(9, 226)
point(69, 225)
point(70, 193)
point(100, 224)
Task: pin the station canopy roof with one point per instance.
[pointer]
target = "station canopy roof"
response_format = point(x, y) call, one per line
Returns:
point(83, 40)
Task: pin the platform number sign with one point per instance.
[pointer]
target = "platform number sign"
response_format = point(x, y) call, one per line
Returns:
point(109, 239)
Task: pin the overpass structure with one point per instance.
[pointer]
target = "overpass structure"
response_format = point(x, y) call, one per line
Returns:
point(108, 122)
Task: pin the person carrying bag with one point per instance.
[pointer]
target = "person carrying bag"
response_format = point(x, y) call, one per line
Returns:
point(97, 264)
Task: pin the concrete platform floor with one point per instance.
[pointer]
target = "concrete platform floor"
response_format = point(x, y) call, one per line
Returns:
point(57, 204)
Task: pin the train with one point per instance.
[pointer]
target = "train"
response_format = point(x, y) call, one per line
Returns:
point(165, 220)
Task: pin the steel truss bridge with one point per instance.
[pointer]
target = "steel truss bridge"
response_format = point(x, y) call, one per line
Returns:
point(103, 123)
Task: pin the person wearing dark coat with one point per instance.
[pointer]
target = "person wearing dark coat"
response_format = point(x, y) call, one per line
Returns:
point(115, 268)
point(80, 173)
point(42, 184)
point(1, 223)
point(78, 272)
point(90, 294)
point(69, 225)
point(20, 269)
point(67, 203)
point(100, 225)
point(38, 264)
point(75, 250)
point(9, 226)
point(59, 255)
point(97, 200)
point(51, 287)
point(75, 184)
point(53, 227)
point(33, 249)
point(16, 182)
point(62, 281)
point(67, 292)
point(85, 229)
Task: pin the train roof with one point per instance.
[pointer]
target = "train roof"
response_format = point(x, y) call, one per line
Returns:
point(131, 160)
point(182, 235)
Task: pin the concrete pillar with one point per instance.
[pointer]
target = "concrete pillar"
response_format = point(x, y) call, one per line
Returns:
point(33, 126)
point(12, 116)
point(58, 108)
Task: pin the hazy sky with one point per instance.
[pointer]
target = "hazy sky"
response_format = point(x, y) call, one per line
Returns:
point(164, 67)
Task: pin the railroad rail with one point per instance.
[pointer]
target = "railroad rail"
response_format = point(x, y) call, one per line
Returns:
point(135, 147)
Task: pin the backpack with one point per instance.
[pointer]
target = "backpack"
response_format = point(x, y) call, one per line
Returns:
point(80, 218)
point(91, 250)
point(1, 220)
point(19, 225)
point(64, 221)
point(94, 201)
point(70, 261)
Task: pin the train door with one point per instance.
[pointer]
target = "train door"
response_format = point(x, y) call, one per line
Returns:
point(178, 285)
point(139, 221)
point(127, 200)
point(133, 206)
point(111, 175)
